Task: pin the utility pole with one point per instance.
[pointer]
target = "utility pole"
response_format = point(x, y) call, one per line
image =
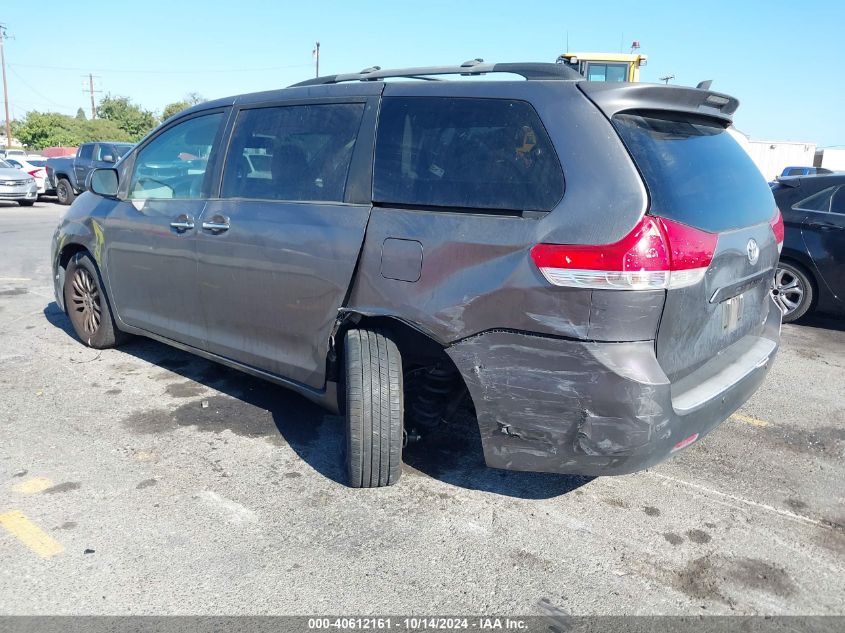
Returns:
point(90, 90)
point(5, 88)
point(317, 57)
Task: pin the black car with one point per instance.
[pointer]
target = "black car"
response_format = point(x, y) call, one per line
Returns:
point(588, 264)
point(811, 273)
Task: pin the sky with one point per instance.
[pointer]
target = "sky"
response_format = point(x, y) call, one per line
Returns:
point(783, 60)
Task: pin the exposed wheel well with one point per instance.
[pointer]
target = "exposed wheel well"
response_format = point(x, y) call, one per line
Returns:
point(421, 354)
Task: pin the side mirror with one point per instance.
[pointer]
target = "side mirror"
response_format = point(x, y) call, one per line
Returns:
point(103, 182)
point(108, 158)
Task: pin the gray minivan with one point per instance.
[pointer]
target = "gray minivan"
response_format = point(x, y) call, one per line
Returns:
point(588, 264)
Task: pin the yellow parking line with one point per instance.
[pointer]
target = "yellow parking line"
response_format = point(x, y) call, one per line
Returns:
point(30, 534)
point(31, 486)
point(747, 419)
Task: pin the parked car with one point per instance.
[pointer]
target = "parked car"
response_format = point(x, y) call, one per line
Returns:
point(811, 272)
point(804, 171)
point(35, 166)
point(590, 262)
point(66, 176)
point(8, 153)
point(17, 185)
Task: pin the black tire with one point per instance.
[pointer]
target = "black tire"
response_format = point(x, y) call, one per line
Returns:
point(374, 409)
point(64, 191)
point(792, 290)
point(26, 203)
point(87, 305)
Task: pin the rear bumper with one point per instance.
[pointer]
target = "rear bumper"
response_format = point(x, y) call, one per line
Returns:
point(579, 407)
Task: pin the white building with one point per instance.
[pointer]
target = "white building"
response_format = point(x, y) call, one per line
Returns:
point(772, 156)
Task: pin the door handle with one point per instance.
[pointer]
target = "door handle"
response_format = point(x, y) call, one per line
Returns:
point(217, 224)
point(182, 223)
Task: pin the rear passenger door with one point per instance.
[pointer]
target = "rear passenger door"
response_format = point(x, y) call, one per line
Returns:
point(278, 247)
point(82, 164)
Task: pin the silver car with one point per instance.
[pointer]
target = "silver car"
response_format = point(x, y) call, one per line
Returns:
point(17, 185)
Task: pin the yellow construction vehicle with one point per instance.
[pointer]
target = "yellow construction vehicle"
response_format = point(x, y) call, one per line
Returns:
point(606, 66)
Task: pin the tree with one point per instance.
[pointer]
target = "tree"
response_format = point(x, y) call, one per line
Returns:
point(129, 117)
point(173, 108)
point(80, 114)
point(47, 129)
point(194, 98)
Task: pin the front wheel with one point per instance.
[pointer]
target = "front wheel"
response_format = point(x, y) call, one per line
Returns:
point(86, 304)
point(26, 203)
point(792, 290)
point(374, 409)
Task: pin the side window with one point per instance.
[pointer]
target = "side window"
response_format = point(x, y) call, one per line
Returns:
point(837, 203)
point(490, 154)
point(104, 150)
point(173, 164)
point(86, 152)
point(14, 163)
point(817, 202)
point(298, 152)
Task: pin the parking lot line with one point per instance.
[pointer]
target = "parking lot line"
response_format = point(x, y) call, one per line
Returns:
point(747, 419)
point(36, 539)
point(33, 486)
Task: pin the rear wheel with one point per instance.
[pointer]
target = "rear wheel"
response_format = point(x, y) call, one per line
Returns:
point(86, 304)
point(792, 291)
point(374, 409)
point(64, 191)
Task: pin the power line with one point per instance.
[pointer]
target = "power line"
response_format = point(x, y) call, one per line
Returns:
point(197, 71)
point(32, 89)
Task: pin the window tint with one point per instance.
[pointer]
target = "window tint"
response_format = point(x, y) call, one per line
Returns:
point(817, 202)
point(86, 152)
point(13, 162)
point(794, 172)
point(696, 172)
point(173, 164)
point(292, 152)
point(837, 204)
point(465, 153)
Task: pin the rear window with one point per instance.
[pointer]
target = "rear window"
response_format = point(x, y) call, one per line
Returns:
point(695, 172)
point(467, 153)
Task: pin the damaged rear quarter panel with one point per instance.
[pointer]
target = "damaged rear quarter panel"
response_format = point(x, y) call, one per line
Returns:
point(558, 405)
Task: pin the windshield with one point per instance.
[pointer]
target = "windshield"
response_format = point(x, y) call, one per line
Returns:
point(696, 173)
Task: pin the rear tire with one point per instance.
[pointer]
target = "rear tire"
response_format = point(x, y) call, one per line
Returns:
point(792, 291)
point(374, 409)
point(64, 191)
point(87, 306)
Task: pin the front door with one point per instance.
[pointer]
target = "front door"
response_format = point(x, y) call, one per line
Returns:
point(278, 248)
point(151, 253)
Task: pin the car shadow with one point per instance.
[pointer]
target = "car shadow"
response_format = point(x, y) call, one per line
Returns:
point(256, 408)
point(822, 322)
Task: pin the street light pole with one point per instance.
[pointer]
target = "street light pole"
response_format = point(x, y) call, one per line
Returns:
point(5, 88)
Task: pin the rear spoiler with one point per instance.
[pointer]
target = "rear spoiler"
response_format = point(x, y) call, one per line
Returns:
point(612, 98)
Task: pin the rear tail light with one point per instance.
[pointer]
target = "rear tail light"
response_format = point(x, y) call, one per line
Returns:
point(657, 253)
point(777, 228)
point(35, 173)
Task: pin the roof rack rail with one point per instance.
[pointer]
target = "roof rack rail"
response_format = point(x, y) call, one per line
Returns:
point(530, 70)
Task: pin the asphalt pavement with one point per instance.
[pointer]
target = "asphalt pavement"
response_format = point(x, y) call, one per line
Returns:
point(144, 480)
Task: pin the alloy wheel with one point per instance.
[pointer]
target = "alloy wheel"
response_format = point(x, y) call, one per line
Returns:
point(86, 300)
point(788, 291)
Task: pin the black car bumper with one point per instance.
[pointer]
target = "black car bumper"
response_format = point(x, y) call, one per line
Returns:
point(587, 408)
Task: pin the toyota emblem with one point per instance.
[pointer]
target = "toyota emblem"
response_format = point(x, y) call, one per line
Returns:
point(753, 251)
